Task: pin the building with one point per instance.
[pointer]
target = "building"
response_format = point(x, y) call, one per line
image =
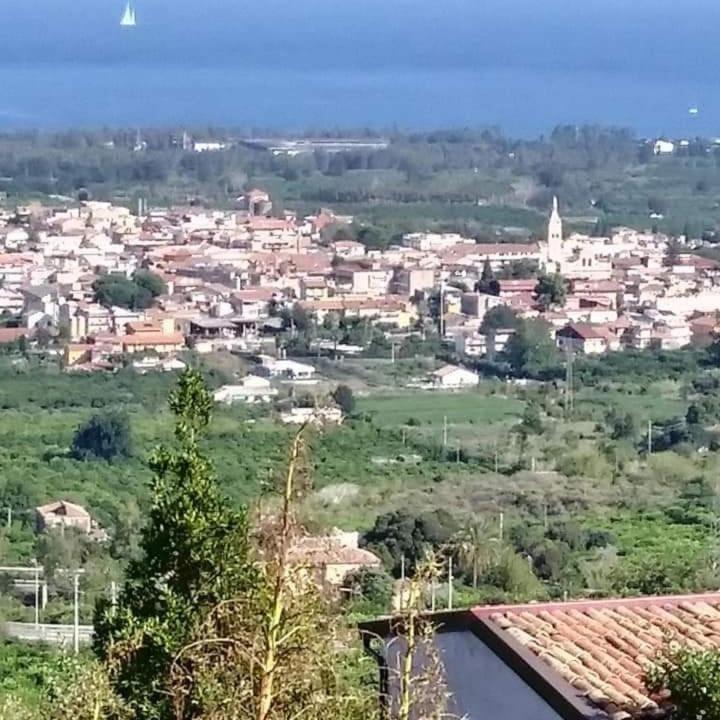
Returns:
point(332, 558)
point(149, 337)
point(480, 345)
point(252, 389)
point(290, 369)
point(580, 660)
point(477, 304)
point(581, 338)
point(63, 514)
point(663, 147)
point(452, 377)
point(312, 416)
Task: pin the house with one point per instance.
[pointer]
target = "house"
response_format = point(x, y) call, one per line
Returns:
point(410, 281)
point(583, 338)
point(479, 345)
point(663, 147)
point(149, 337)
point(579, 660)
point(270, 367)
point(477, 304)
point(453, 377)
point(252, 389)
point(63, 514)
point(330, 559)
point(312, 416)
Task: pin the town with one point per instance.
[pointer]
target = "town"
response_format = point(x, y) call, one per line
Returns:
point(237, 280)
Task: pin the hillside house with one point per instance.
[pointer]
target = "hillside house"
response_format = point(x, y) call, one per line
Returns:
point(63, 514)
point(581, 338)
point(451, 377)
point(251, 389)
point(330, 559)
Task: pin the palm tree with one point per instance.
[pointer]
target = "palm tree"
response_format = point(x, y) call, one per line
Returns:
point(477, 548)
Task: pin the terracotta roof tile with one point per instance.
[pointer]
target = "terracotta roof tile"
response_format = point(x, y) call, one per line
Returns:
point(604, 648)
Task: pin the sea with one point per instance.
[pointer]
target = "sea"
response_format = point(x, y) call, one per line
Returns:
point(519, 65)
point(521, 102)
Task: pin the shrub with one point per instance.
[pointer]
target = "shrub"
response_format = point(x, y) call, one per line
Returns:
point(105, 436)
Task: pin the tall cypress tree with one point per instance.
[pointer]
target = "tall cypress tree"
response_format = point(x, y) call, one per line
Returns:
point(195, 555)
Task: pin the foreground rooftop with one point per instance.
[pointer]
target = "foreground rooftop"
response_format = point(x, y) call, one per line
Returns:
point(583, 660)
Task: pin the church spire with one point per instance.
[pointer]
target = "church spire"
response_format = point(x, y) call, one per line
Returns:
point(555, 234)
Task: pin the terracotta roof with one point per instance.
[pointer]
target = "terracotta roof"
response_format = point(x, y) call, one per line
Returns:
point(603, 648)
point(63, 507)
point(585, 331)
point(318, 551)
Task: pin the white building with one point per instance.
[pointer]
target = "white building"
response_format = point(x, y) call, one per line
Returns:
point(579, 256)
point(453, 377)
point(663, 147)
point(313, 416)
point(286, 368)
point(252, 389)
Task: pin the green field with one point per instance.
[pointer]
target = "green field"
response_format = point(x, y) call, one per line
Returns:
point(427, 407)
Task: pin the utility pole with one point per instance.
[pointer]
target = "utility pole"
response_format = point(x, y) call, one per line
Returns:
point(502, 525)
point(442, 309)
point(450, 583)
point(569, 380)
point(37, 596)
point(76, 613)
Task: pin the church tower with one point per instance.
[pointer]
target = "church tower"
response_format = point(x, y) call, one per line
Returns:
point(555, 236)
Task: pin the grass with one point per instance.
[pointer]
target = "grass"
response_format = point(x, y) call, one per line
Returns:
point(426, 407)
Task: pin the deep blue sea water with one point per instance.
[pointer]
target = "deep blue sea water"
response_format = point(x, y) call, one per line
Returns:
point(520, 101)
point(522, 65)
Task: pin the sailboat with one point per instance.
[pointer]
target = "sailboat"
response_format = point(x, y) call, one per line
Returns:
point(128, 19)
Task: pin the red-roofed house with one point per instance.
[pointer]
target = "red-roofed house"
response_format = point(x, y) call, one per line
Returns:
point(586, 339)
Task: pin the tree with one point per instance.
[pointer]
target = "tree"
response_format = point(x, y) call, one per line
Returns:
point(657, 205)
point(692, 677)
point(488, 282)
point(672, 252)
point(195, 555)
point(373, 585)
point(399, 534)
point(344, 398)
point(372, 238)
point(269, 652)
point(551, 290)
point(623, 426)
point(531, 422)
point(151, 282)
point(477, 549)
point(136, 293)
point(500, 317)
point(531, 350)
point(105, 436)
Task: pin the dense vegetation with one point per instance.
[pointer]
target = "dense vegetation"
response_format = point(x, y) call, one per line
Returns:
point(470, 180)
